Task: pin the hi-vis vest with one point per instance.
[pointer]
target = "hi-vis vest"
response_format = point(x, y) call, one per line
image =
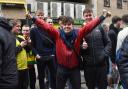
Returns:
point(30, 55)
point(31, 58)
point(21, 57)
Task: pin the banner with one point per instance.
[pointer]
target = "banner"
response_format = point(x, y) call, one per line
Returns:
point(13, 1)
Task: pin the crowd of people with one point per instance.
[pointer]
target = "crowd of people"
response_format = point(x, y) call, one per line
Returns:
point(57, 52)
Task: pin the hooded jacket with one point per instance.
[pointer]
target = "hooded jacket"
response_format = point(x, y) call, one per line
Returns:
point(8, 69)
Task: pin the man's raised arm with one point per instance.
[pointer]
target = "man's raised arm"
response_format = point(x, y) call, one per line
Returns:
point(44, 25)
point(94, 23)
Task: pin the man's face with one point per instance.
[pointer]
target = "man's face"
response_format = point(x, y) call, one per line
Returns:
point(118, 24)
point(40, 15)
point(67, 27)
point(16, 28)
point(49, 21)
point(25, 31)
point(88, 16)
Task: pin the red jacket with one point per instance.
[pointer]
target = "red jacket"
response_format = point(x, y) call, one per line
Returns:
point(65, 56)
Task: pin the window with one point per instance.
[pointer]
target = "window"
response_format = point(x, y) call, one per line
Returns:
point(68, 9)
point(79, 8)
point(55, 9)
point(119, 4)
point(79, 1)
point(106, 3)
point(44, 7)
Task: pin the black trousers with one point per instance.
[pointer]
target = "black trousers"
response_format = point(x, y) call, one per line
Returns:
point(32, 76)
point(41, 65)
point(73, 75)
point(96, 76)
point(23, 79)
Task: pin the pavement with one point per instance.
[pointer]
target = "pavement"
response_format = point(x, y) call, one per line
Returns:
point(83, 85)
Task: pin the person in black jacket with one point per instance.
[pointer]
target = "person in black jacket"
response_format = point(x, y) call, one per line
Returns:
point(44, 49)
point(8, 69)
point(95, 55)
point(113, 32)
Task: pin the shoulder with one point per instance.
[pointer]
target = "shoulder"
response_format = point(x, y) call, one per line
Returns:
point(124, 46)
point(6, 38)
point(33, 29)
point(111, 32)
point(4, 33)
point(124, 31)
point(125, 42)
point(120, 34)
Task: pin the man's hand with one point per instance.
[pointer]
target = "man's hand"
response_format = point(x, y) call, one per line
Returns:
point(38, 56)
point(29, 16)
point(23, 43)
point(106, 13)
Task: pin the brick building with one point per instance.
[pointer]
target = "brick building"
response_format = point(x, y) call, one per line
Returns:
point(74, 8)
point(117, 7)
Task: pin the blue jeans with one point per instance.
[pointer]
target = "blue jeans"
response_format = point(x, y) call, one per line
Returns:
point(64, 74)
point(124, 82)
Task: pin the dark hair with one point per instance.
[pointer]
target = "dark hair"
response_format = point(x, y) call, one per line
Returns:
point(115, 19)
point(125, 18)
point(87, 10)
point(68, 20)
point(61, 18)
